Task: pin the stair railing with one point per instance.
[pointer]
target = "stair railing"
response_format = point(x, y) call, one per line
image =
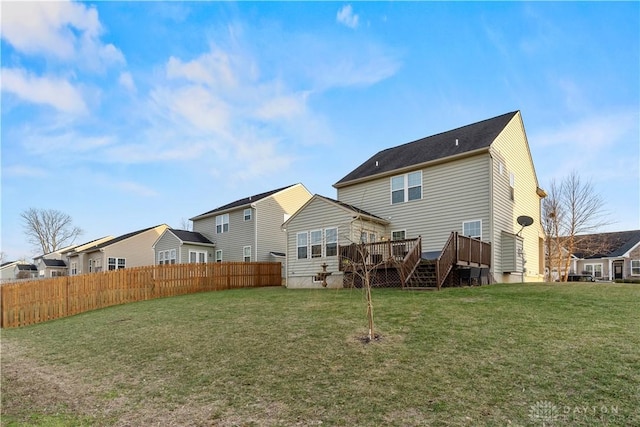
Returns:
point(411, 262)
point(447, 258)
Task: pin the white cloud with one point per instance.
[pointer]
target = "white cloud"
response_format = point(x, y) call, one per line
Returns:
point(67, 31)
point(126, 81)
point(346, 17)
point(23, 171)
point(55, 92)
point(591, 132)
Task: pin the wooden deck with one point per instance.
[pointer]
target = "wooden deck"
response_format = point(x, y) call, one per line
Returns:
point(460, 252)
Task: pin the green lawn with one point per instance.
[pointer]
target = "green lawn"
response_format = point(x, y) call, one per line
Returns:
point(561, 354)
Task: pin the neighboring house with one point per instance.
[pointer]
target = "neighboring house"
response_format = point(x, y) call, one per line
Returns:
point(475, 180)
point(249, 229)
point(182, 246)
point(53, 263)
point(76, 253)
point(129, 250)
point(608, 256)
point(16, 270)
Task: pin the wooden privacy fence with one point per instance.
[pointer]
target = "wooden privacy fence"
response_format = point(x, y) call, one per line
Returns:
point(37, 301)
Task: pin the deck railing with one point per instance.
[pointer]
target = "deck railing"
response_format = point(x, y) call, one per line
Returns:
point(378, 254)
point(462, 251)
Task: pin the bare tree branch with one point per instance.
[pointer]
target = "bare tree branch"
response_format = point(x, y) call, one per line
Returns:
point(48, 229)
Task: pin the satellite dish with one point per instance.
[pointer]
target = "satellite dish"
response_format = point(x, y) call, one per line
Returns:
point(525, 220)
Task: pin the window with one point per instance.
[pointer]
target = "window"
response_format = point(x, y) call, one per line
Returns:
point(222, 224)
point(197, 257)
point(91, 268)
point(406, 187)
point(398, 235)
point(161, 257)
point(172, 257)
point(594, 269)
point(363, 237)
point(635, 267)
point(331, 241)
point(512, 185)
point(372, 237)
point(472, 229)
point(247, 214)
point(246, 253)
point(316, 243)
point(219, 255)
point(74, 268)
point(116, 263)
point(301, 242)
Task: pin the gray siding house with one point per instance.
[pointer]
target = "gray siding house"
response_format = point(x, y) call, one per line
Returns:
point(249, 229)
point(182, 247)
point(475, 180)
point(608, 256)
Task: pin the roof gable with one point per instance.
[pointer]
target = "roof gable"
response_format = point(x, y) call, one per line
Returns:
point(119, 239)
point(455, 142)
point(246, 201)
point(190, 236)
point(606, 245)
point(341, 205)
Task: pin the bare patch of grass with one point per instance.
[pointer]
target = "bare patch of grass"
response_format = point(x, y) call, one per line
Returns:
point(473, 356)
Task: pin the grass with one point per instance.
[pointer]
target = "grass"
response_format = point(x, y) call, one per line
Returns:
point(493, 355)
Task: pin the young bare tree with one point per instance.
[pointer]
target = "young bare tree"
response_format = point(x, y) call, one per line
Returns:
point(48, 229)
point(571, 210)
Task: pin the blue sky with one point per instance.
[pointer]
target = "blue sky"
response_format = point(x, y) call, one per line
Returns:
point(127, 115)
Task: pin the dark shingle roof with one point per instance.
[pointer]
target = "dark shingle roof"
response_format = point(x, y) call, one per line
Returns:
point(601, 245)
point(27, 267)
point(241, 202)
point(191, 236)
point(470, 137)
point(117, 239)
point(54, 263)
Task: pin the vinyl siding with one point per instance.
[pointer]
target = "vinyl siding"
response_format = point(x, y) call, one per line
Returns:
point(452, 193)
point(511, 147)
point(183, 252)
point(137, 250)
point(270, 215)
point(317, 215)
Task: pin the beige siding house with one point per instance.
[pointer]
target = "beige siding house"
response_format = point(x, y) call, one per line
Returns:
point(475, 180)
point(75, 257)
point(129, 250)
point(53, 264)
point(249, 229)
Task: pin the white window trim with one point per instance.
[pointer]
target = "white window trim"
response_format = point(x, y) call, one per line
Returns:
point(631, 267)
point(197, 256)
point(298, 245)
point(469, 222)
point(593, 268)
point(319, 243)
point(221, 221)
point(244, 253)
point(116, 263)
point(245, 216)
point(406, 187)
point(74, 268)
point(324, 247)
point(399, 231)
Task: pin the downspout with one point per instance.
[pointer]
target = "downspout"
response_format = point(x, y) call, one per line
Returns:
point(255, 230)
point(494, 238)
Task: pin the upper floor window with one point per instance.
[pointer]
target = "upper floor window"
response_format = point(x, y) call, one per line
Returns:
point(222, 224)
point(512, 185)
point(472, 229)
point(247, 214)
point(406, 187)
